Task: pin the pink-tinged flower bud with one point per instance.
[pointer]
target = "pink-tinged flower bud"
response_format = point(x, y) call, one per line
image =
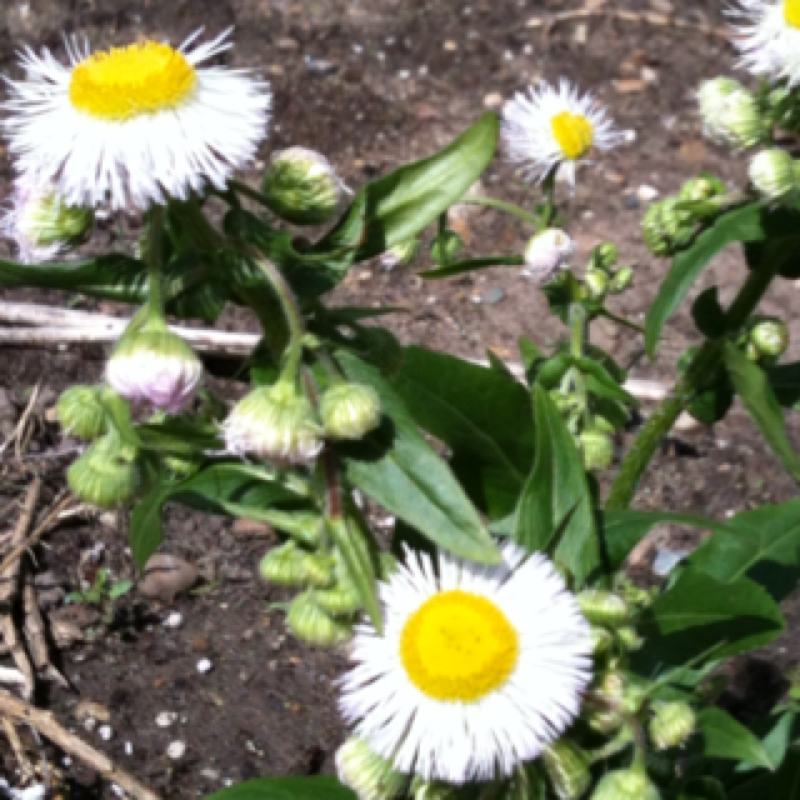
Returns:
point(276, 423)
point(547, 252)
point(155, 366)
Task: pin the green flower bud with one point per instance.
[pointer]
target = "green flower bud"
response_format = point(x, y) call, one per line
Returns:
point(276, 423)
point(342, 599)
point(597, 283)
point(738, 122)
point(319, 569)
point(601, 641)
point(432, 790)
point(446, 246)
point(703, 188)
point(42, 225)
point(597, 449)
point(770, 337)
point(284, 565)
point(672, 724)
point(309, 623)
point(621, 280)
point(666, 228)
point(611, 686)
point(302, 187)
point(605, 722)
point(548, 252)
point(349, 410)
point(110, 474)
point(634, 697)
point(402, 254)
point(605, 608)
point(629, 639)
point(772, 173)
point(368, 775)
point(626, 784)
point(81, 413)
point(604, 256)
point(712, 97)
point(567, 767)
point(182, 466)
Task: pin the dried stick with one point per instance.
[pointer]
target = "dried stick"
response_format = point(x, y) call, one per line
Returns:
point(19, 751)
point(45, 723)
point(36, 638)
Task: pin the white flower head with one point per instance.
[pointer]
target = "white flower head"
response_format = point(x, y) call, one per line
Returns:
point(132, 126)
point(478, 669)
point(41, 224)
point(546, 127)
point(768, 37)
point(548, 252)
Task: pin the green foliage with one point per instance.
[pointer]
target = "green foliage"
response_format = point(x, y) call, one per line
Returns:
point(320, 787)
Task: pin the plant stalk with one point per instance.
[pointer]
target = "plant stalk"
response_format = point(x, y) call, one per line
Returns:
point(509, 208)
point(155, 252)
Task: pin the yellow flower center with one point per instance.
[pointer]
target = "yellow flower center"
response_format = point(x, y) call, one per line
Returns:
point(573, 133)
point(125, 82)
point(791, 13)
point(458, 647)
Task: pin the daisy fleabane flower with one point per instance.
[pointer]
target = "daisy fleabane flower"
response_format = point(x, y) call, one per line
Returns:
point(133, 126)
point(479, 667)
point(768, 37)
point(547, 127)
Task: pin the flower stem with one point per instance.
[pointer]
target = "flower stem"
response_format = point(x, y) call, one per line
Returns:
point(702, 365)
point(509, 208)
point(154, 255)
point(248, 191)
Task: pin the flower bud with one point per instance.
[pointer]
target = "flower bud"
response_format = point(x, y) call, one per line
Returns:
point(276, 423)
point(597, 449)
point(629, 639)
point(626, 784)
point(672, 724)
point(604, 256)
point(703, 188)
point(605, 722)
point(547, 252)
point(567, 767)
point(667, 228)
point(621, 280)
point(110, 474)
point(738, 122)
point(42, 225)
point(601, 641)
point(155, 366)
point(597, 283)
point(772, 173)
point(81, 413)
point(401, 254)
point(603, 608)
point(770, 337)
point(611, 687)
point(319, 569)
point(349, 410)
point(446, 246)
point(311, 624)
point(182, 466)
point(634, 697)
point(367, 774)
point(302, 187)
point(342, 599)
point(712, 96)
point(284, 565)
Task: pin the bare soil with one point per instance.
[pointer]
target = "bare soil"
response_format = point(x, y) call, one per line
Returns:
point(373, 84)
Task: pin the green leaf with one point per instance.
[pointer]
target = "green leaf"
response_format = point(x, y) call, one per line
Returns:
point(729, 739)
point(705, 788)
point(471, 265)
point(481, 414)
point(622, 530)
point(708, 314)
point(400, 205)
point(781, 242)
point(179, 435)
point(753, 387)
point(763, 545)
point(399, 470)
point(555, 507)
point(318, 787)
point(699, 613)
point(742, 224)
point(784, 784)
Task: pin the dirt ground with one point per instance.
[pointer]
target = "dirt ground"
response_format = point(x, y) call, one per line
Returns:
point(372, 84)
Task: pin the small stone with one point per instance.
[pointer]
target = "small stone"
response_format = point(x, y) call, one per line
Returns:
point(647, 193)
point(493, 100)
point(128, 749)
point(204, 665)
point(105, 732)
point(176, 750)
point(450, 46)
point(210, 774)
point(166, 718)
point(174, 620)
point(494, 295)
point(165, 576)
point(90, 723)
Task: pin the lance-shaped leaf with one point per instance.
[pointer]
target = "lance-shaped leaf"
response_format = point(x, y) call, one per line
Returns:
point(319, 787)
point(726, 738)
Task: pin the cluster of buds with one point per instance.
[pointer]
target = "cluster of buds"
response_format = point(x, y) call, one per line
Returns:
point(731, 115)
point(765, 340)
point(302, 187)
point(670, 224)
point(602, 277)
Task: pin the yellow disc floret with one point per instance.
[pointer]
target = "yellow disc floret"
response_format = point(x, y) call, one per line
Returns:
point(458, 646)
point(129, 81)
point(573, 133)
point(791, 13)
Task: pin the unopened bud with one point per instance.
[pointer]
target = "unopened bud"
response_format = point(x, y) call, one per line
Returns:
point(604, 256)
point(284, 565)
point(621, 280)
point(182, 466)
point(446, 246)
point(401, 254)
point(369, 775)
point(302, 187)
point(634, 697)
point(738, 122)
point(770, 337)
point(311, 624)
point(703, 188)
point(349, 410)
point(81, 412)
point(672, 724)
point(773, 175)
point(597, 449)
point(605, 722)
point(626, 784)
point(601, 641)
point(597, 283)
point(342, 599)
point(629, 639)
point(712, 96)
point(567, 767)
point(548, 252)
point(605, 608)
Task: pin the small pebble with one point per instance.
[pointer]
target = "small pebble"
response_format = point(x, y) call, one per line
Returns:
point(90, 723)
point(128, 749)
point(174, 620)
point(646, 193)
point(204, 665)
point(166, 718)
point(666, 560)
point(494, 296)
point(105, 732)
point(176, 750)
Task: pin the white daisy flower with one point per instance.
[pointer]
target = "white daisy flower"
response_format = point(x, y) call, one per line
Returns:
point(134, 125)
point(769, 37)
point(478, 669)
point(547, 127)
